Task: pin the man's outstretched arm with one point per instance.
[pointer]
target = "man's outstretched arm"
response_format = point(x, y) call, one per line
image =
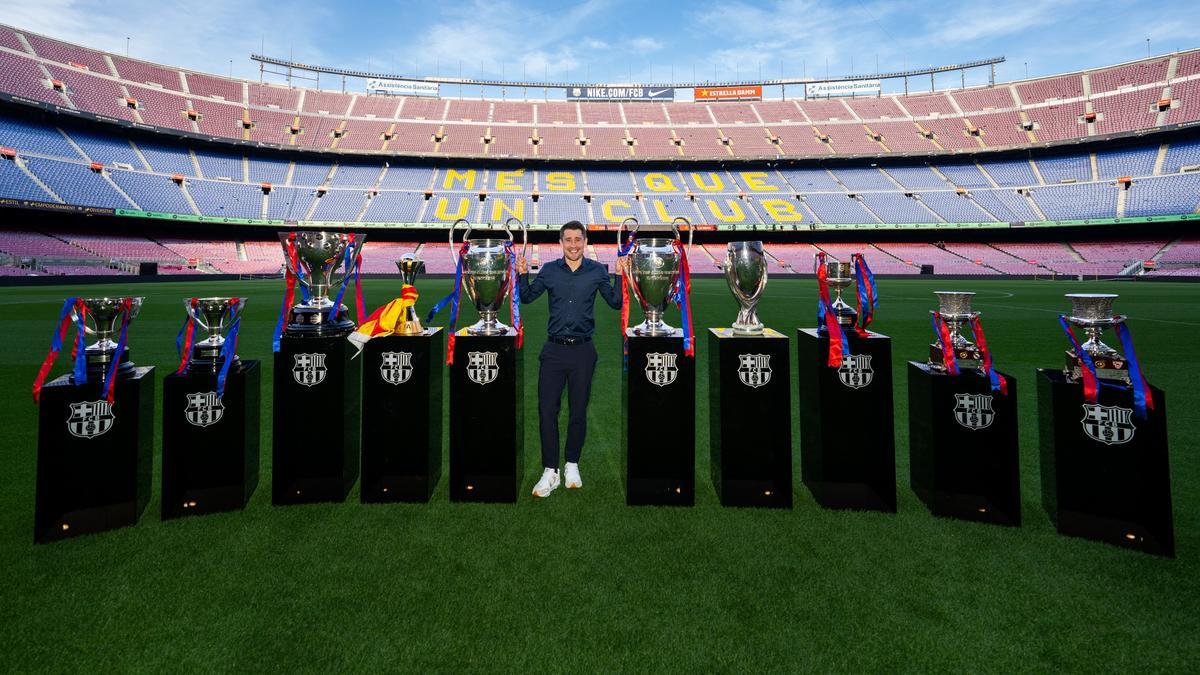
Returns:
point(529, 291)
point(610, 288)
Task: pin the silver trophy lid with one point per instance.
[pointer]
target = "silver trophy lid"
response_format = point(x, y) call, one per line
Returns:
point(955, 305)
point(1093, 310)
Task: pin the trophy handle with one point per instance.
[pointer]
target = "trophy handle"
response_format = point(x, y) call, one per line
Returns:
point(621, 226)
point(467, 233)
point(524, 235)
point(691, 232)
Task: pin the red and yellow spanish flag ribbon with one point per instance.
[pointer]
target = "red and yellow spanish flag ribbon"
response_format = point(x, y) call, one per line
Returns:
point(386, 320)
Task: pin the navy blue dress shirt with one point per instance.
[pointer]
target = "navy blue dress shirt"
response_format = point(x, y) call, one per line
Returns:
point(572, 295)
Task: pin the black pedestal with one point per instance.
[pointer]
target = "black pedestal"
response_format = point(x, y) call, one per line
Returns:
point(1105, 473)
point(487, 418)
point(402, 417)
point(658, 397)
point(962, 444)
point(94, 459)
point(317, 406)
point(749, 415)
point(210, 445)
point(847, 445)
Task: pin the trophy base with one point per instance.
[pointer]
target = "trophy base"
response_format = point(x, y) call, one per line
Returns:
point(487, 418)
point(210, 447)
point(94, 461)
point(316, 420)
point(314, 322)
point(847, 445)
point(1109, 367)
point(402, 417)
point(658, 387)
point(489, 328)
point(962, 444)
point(1105, 473)
point(655, 329)
point(746, 330)
point(750, 422)
point(965, 356)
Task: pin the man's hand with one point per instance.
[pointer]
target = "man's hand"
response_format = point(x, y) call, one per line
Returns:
point(522, 265)
point(622, 264)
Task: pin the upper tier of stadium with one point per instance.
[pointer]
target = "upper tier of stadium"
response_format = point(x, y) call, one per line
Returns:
point(1124, 99)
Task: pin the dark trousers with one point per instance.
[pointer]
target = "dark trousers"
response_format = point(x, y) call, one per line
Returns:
point(570, 367)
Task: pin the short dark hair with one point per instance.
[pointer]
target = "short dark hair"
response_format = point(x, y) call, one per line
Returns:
point(573, 225)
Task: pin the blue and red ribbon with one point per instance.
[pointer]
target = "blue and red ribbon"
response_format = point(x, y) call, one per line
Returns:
point(1091, 383)
point(942, 331)
point(56, 344)
point(683, 298)
point(827, 323)
point(998, 382)
point(291, 272)
point(110, 377)
point(451, 299)
point(183, 341)
point(623, 251)
point(868, 296)
point(1143, 398)
point(229, 349)
point(514, 294)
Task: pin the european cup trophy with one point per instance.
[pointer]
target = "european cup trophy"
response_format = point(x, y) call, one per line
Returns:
point(954, 308)
point(320, 262)
point(486, 274)
point(1093, 312)
point(746, 273)
point(95, 424)
point(653, 273)
point(211, 411)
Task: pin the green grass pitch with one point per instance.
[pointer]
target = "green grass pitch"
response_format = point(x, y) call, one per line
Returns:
point(580, 581)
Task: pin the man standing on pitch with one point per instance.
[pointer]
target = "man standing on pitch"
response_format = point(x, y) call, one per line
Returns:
point(569, 358)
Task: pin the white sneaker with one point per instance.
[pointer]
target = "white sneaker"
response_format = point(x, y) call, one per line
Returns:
point(573, 479)
point(547, 484)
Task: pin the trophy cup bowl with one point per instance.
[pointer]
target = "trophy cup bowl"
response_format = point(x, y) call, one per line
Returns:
point(653, 274)
point(1093, 313)
point(101, 320)
point(319, 255)
point(409, 266)
point(839, 276)
point(746, 273)
point(214, 315)
point(955, 308)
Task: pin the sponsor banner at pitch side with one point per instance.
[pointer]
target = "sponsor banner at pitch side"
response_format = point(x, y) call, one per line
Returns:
point(746, 93)
point(852, 88)
point(620, 94)
point(403, 87)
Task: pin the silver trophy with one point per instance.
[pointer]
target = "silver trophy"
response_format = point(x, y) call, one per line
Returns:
point(485, 274)
point(214, 315)
point(653, 273)
point(746, 273)
point(839, 276)
point(409, 266)
point(955, 308)
point(103, 320)
point(320, 257)
point(1093, 312)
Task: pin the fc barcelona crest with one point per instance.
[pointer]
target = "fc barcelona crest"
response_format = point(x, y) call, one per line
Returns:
point(660, 369)
point(482, 367)
point(855, 371)
point(309, 369)
point(90, 419)
point(204, 409)
point(754, 370)
point(1109, 425)
point(974, 411)
point(396, 367)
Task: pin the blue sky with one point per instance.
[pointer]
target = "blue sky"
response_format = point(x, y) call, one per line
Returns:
point(622, 40)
